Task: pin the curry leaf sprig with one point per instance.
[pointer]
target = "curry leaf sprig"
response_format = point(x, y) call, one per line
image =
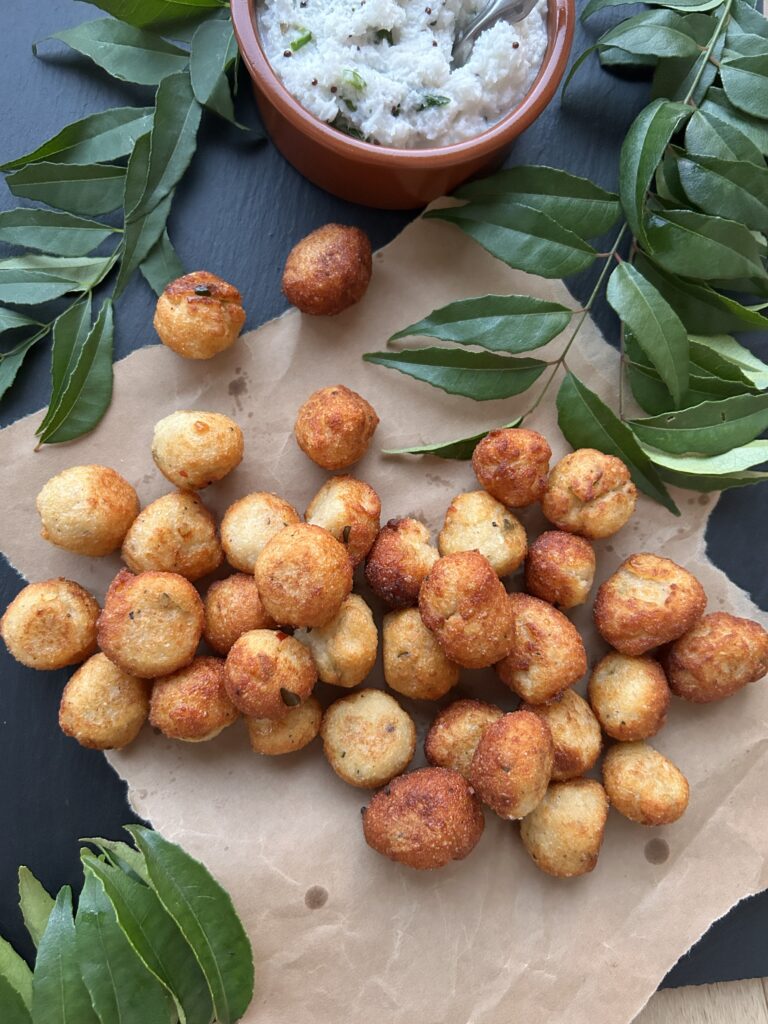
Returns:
point(122, 164)
point(155, 940)
point(687, 271)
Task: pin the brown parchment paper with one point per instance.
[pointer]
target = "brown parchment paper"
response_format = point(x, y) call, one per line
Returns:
point(340, 934)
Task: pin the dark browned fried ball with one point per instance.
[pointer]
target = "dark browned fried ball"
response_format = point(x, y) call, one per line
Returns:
point(456, 731)
point(630, 696)
point(414, 662)
point(575, 734)
point(350, 510)
point(477, 522)
point(643, 785)
point(102, 707)
point(589, 493)
point(199, 315)
point(268, 673)
point(512, 765)
point(547, 654)
point(192, 704)
point(334, 427)
point(329, 270)
point(424, 819)
point(368, 738)
point(564, 833)
point(649, 601)
point(512, 465)
point(294, 731)
point(560, 568)
point(177, 534)
point(50, 625)
point(87, 509)
point(464, 603)
point(233, 607)
point(717, 658)
point(399, 561)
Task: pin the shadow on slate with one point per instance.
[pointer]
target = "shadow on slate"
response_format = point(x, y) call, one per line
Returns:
point(238, 212)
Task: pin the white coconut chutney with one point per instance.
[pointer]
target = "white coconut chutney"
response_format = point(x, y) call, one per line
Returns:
point(381, 69)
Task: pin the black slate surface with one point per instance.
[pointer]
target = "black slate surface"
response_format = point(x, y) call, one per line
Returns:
point(238, 212)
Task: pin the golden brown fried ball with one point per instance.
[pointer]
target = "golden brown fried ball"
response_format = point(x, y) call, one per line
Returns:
point(399, 561)
point(367, 738)
point(350, 510)
point(630, 696)
point(102, 707)
point(564, 833)
point(51, 624)
point(87, 509)
point(192, 704)
point(344, 650)
point(647, 602)
point(233, 607)
point(465, 605)
point(303, 574)
point(249, 523)
point(195, 449)
point(575, 734)
point(177, 534)
point(151, 623)
point(643, 785)
point(268, 673)
point(560, 568)
point(589, 493)
point(334, 427)
point(456, 731)
point(547, 654)
point(477, 522)
point(414, 662)
point(328, 271)
point(512, 765)
point(199, 315)
point(285, 735)
point(717, 658)
point(512, 465)
point(424, 819)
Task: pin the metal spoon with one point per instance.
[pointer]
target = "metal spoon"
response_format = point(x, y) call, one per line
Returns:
point(512, 10)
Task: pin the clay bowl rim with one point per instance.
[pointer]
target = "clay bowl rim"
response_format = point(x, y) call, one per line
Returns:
point(561, 16)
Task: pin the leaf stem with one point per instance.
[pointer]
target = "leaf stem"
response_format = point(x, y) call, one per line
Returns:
point(707, 53)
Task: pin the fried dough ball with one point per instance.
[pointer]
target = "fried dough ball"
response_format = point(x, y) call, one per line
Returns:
point(647, 602)
point(630, 696)
point(717, 658)
point(547, 654)
point(151, 623)
point(102, 707)
point(350, 510)
point(465, 605)
point(456, 731)
point(643, 785)
point(589, 493)
point(87, 509)
point(195, 449)
point(268, 673)
point(399, 561)
point(328, 271)
point(250, 523)
point(564, 833)
point(303, 575)
point(334, 427)
point(344, 650)
point(177, 534)
point(424, 819)
point(285, 735)
point(192, 704)
point(512, 465)
point(575, 734)
point(233, 607)
point(199, 315)
point(512, 765)
point(368, 738)
point(560, 568)
point(477, 522)
point(51, 624)
point(414, 662)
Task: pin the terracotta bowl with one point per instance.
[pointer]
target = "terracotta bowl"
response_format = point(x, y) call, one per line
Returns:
point(375, 175)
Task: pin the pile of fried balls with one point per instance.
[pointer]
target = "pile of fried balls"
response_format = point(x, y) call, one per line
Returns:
point(287, 617)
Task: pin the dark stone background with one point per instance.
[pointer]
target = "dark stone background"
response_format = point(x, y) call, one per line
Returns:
point(238, 211)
